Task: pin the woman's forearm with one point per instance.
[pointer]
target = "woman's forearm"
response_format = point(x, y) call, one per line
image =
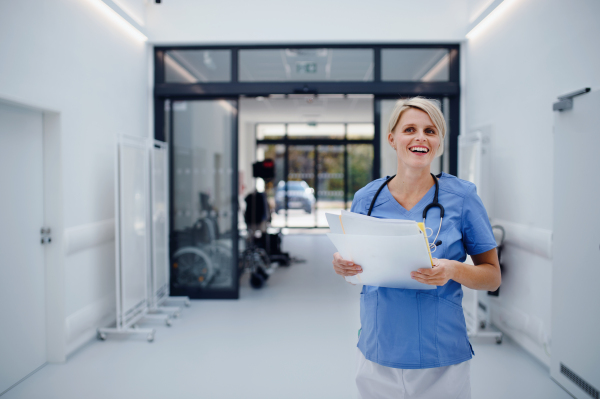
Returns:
point(485, 276)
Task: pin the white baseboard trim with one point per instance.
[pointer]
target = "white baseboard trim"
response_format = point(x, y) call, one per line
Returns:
point(527, 331)
point(89, 235)
point(81, 326)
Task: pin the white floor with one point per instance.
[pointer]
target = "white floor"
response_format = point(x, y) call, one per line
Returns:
point(295, 338)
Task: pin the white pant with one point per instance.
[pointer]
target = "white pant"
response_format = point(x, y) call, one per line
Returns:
point(375, 381)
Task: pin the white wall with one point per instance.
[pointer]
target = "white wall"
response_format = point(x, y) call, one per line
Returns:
point(68, 56)
point(192, 21)
point(515, 67)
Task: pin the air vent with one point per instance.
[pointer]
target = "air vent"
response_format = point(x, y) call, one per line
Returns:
point(580, 382)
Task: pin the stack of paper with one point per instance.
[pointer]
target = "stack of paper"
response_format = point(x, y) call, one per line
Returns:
point(388, 250)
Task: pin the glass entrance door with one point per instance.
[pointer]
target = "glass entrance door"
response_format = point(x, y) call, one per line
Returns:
point(296, 197)
point(203, 203)
point(331, 181)
point(315, 176)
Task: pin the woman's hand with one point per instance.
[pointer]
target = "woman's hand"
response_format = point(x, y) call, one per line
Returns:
point(442, 271)
point(345, 267)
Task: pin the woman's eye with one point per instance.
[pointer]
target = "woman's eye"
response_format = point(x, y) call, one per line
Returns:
point(429, 131)
point(409, 130)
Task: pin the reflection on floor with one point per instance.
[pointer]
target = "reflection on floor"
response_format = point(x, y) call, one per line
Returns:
point(295, 338)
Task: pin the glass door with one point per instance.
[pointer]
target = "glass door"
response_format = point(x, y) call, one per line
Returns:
point(331, 181)
point(318, 168)
point(360, 169)
point(296, 197)
point(203, 198)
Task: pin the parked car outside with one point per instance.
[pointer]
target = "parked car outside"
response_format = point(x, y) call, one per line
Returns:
point(300, 196)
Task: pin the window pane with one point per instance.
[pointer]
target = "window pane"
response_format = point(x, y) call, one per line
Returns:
point(360, 168)
point(361, 131)
point(297, 65)
point(202, 233)
point(270, 131)
point(316, 130)
point(196, 66)
point(415, 65)
point(330, 194)
point(299, 188)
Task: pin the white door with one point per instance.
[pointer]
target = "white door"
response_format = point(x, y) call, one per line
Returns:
point(22, 301)
point(576, 248)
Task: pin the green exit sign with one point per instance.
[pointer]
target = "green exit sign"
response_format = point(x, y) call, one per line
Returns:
point(303, 67)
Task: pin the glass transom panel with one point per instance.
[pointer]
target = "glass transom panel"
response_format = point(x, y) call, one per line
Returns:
point(415, 65)
point(297, 65)
point(197, 66)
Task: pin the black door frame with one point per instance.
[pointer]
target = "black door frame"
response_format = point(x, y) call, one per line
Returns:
point(234, 89)
point(232, 293)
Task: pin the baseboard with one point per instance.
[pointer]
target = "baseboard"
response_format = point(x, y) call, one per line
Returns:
point(524, 340)
point(81, 326)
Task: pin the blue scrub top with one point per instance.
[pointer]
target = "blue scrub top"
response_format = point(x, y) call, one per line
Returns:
point(415, 329)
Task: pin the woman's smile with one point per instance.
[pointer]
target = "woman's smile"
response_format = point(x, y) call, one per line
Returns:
point(419, 150)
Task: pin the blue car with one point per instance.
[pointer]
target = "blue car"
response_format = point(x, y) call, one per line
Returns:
point(300, 196)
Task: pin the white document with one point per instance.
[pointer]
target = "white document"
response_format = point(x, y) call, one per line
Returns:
point(387, 261)
point(334, 222)
point(355, 223)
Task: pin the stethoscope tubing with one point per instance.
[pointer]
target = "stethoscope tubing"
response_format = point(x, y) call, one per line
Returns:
point(434, 204)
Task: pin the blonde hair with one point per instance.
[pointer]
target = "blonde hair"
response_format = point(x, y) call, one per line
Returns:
point(429, 106)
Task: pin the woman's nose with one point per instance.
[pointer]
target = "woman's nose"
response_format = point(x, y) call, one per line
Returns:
point(421, 135)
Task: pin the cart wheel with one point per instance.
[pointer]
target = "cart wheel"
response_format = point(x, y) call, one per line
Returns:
point(482, 324)
point(168, 322)
point(150, 337)
point(101, 336)
point(256, 281)
point(134, 326)
point(175, 315)
point(187, 303)
point(499, 340)
point(263, 273)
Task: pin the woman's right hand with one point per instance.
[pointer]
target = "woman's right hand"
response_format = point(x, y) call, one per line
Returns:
point(345, 267)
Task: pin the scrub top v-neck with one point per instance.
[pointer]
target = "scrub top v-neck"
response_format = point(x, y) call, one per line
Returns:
point(413, 329)
point(418, 207)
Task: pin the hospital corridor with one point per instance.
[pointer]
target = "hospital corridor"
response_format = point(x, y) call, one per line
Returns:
point(297, 318)
point(326, 199)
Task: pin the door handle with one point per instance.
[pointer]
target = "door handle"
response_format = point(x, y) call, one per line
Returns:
point(45, 233)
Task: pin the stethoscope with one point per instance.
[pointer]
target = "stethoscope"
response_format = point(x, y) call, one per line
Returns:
point(434, 204)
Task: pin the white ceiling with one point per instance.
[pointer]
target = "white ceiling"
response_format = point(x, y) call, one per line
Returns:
point(309, 21)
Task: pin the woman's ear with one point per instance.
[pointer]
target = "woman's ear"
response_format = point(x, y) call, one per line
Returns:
point(390, 138)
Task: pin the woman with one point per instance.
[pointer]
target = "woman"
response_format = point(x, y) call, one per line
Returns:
point(413, 343)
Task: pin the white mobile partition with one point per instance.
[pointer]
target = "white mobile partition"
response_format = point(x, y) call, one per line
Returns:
point(160, 225)
point(474, 166)
point(132, 236)
point(159, 277)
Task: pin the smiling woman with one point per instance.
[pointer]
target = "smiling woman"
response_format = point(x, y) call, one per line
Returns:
point(420, 110)
point(415, 341)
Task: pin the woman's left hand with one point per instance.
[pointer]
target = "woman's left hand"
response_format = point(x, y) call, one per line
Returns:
point(442, 271)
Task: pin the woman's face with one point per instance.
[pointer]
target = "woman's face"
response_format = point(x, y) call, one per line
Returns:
point(415, 139)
